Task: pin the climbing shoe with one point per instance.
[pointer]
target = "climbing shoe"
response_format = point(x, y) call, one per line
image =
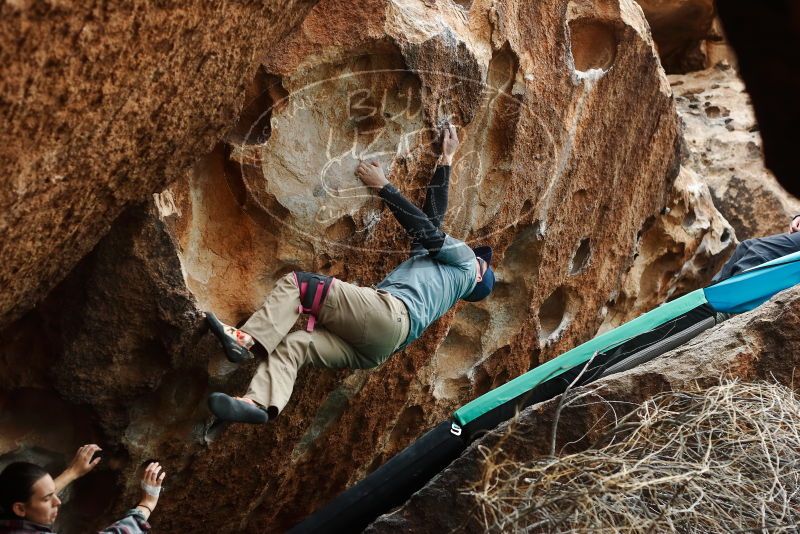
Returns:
point(235, 352)
point(227, 408)
point(214, 429)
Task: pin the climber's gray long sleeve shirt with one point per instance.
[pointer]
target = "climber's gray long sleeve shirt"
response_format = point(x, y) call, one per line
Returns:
point(428, 284)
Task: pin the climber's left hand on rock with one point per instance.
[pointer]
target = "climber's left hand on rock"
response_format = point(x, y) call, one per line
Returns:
point(371, 174)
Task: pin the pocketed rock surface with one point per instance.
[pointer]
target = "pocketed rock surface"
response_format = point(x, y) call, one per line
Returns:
point(570, 154)
point(679, 251)
point(724, 148)
point(759, 345)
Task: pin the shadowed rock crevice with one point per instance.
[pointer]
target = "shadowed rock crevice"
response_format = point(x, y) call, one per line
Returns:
point(42, 418)
point(766, 38)
point(684, 32)
point(264, 94)
point(37, 425)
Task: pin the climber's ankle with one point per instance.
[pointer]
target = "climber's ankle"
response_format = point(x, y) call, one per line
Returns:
point(242, 338)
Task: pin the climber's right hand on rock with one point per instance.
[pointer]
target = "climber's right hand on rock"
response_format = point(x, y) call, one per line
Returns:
point(371, 174)
point(151, 487)
point(449, 144)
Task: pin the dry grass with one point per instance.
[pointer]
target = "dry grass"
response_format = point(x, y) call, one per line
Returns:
point(726, 459)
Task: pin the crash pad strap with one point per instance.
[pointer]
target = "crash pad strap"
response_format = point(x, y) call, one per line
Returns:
point(651, 351)
point(578, 355)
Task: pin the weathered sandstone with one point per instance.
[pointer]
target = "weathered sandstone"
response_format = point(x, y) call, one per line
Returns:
point(103, 104)
point(570, 149)
point(723, 146)
point(760, 345)
point(680, 251)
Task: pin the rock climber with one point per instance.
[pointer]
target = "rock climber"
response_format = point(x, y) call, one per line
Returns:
point(29, 500)
point(753, 252)
point(351, 326)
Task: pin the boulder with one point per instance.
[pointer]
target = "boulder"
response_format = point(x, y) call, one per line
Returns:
point(561, 205)
point(724, 148)
point(759, 345)
point(552, 100)
point(103, 104)
point(679, 251)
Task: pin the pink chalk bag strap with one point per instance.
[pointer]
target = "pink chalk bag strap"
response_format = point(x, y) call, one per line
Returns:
point(313, 291)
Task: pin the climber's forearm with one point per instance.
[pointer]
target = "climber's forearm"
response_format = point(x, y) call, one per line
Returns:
point(412, 219)
point(435, 206)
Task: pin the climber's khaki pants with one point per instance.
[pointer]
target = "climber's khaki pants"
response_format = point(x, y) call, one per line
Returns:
point(357, 327)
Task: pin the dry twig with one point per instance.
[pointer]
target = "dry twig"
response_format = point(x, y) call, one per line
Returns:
point(726, 459)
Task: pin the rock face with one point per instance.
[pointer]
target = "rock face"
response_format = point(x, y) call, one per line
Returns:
point(111, 356)
point(723, 147)
point(722, 169)
point(681, 30)
point(553, 101)
point(532, 178)
point(759, 345)
point(103, 104)
point(679, 252)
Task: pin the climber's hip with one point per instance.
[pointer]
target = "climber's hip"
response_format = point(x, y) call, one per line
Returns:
point(372, 321)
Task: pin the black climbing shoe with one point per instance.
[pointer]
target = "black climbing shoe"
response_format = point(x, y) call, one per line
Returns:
point(235, 352)
point(214, 430)
point(226, 408)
